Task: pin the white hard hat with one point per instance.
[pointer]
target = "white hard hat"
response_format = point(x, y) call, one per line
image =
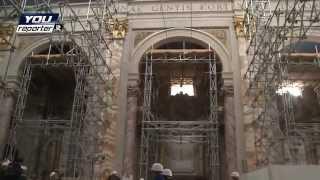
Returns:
point(25, 168)
point(167, 172)
point(235, 174)
point(114, 172)
point(157, 167)
point(53, 173)
point(6, 163)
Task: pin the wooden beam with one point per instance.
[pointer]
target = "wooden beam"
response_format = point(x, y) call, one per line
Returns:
point(304, 76)
point(305, 56)
point(177, 51)
point(50, 56)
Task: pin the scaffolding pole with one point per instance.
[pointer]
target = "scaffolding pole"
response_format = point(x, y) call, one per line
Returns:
point(146, 117)
point(213, 140)
point(86, 53)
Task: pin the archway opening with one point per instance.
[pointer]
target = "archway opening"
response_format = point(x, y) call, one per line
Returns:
point(181, 124)
point(302, 91)
point(49, 119)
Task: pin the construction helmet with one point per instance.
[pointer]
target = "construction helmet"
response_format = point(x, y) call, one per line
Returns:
point(53, 173)
point(235, 174)
point(114, 172)
point(167, 172)
point(157, 167)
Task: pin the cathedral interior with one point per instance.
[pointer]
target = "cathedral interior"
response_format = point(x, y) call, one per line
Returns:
point(211, 90)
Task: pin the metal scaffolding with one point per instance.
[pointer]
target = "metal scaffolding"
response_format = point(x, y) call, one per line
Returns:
point(273, 27)
point(82, 46)
point(156, 129)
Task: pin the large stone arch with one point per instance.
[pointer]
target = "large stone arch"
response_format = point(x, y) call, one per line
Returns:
point(38, 45)
point(313, 35)
point(132, 84)
point(199, 35)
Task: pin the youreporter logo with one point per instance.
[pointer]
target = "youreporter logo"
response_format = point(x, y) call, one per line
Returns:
point(38, 23)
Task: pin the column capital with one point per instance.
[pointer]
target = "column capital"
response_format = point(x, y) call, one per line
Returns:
point(228, 83)
point(228, 90)
point(133, 88)
point(10, 87)
point(227, 77)
point(239, 26)
point(133, 77)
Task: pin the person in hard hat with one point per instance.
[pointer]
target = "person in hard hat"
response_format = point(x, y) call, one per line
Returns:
point(54, 175)
point(167, 173)
point(114, 176)
point(157, 169)
point(235, 175)
point(14, 170)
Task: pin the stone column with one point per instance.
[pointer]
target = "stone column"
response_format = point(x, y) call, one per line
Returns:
point(130, 161)
point(230, 132)
point(7, 99)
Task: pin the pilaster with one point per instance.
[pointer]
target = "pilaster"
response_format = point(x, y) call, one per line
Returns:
point(131, 130)
point(8, 93)
point(230, 131)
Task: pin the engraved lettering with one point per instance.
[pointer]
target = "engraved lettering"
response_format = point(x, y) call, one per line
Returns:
point(170, 8)
point(155, 8)
point(177, 7)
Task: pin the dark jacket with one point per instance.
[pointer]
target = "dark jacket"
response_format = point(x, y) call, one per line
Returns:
point(113, 177)
point(159, 177)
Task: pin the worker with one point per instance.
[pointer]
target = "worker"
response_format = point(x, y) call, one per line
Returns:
point(157, 169)
point(114, 176)
point(235, 175)
point(53, 175)
point(167, 173)
point(14, 170)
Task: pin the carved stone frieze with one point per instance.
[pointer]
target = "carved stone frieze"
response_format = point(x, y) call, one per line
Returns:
point(219, 34)
point(140, 36)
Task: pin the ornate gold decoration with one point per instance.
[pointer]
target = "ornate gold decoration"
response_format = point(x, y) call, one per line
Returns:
point(239, 26)
point(119, 28)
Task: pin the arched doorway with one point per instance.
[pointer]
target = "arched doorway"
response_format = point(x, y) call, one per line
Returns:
point(57, 113)
point(181, 121)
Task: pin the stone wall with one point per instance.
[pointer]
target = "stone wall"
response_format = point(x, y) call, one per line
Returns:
point(285, 172)
point(107, 134)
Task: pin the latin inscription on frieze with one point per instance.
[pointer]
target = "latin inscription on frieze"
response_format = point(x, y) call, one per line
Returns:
point(188, 6)
point(169, 7)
